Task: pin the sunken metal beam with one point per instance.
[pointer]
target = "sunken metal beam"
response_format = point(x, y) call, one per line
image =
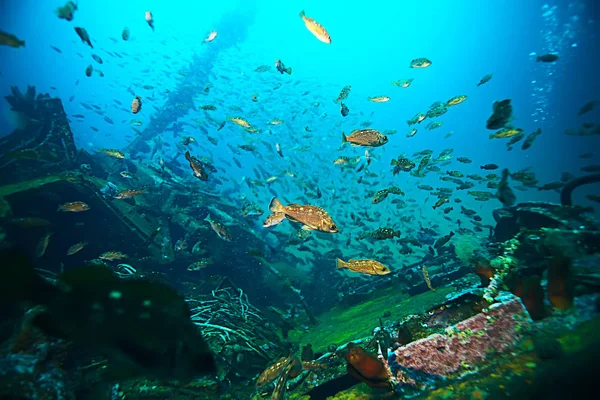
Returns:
point(45, 146)
point(232, 29)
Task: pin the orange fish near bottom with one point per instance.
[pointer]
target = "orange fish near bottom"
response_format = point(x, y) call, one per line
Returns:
point(366, 367)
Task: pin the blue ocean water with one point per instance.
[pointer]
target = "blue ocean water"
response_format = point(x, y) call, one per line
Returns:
point(372, 46)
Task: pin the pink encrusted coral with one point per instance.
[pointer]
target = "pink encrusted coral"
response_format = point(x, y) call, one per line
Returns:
point(465, 347)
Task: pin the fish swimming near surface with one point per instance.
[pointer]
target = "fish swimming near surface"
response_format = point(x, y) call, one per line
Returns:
point(281, 68)
point(83, 35)
point(547, 58)
point(344, 110)
point(142, 328)
point(8, 39)
point(379, 99)
point(150, 19)
point(212, 35)
point(587, 107)
point(485, 80)
point(315, 28)
point(501, 115)
point(420, 63)
point(67, 12)
point(136, 105)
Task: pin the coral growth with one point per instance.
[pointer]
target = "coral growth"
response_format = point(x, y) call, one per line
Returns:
point(25, 103)
point(503, 266)
point(465, 347)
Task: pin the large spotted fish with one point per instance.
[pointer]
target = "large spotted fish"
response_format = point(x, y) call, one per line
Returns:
point(312, 217)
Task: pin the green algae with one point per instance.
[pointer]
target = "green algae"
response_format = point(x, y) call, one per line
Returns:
point(342, 325)
point(13, 188)
point(585, 334)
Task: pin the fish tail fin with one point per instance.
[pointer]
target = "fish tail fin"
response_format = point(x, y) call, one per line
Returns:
point(492, 136)
point(275, 206)
point(302, 14)
point(344, 138)
point(187, 155)
point(21, 43)
point(539, 58)
point(341, 264)
point(288, 70)
point(207, 219)
point(19, 280)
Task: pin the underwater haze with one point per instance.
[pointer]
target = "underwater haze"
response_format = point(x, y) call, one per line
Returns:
point(261, 143)
point(372, 45)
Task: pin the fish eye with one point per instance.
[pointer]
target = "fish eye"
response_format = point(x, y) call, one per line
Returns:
point(333, 227)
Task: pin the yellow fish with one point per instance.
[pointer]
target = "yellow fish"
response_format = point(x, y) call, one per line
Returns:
point(369, 267)
point(506, 133)
point(315, 28)
point(379, 99)
point(456, 100)
point(239, 121)
point(112, 153)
